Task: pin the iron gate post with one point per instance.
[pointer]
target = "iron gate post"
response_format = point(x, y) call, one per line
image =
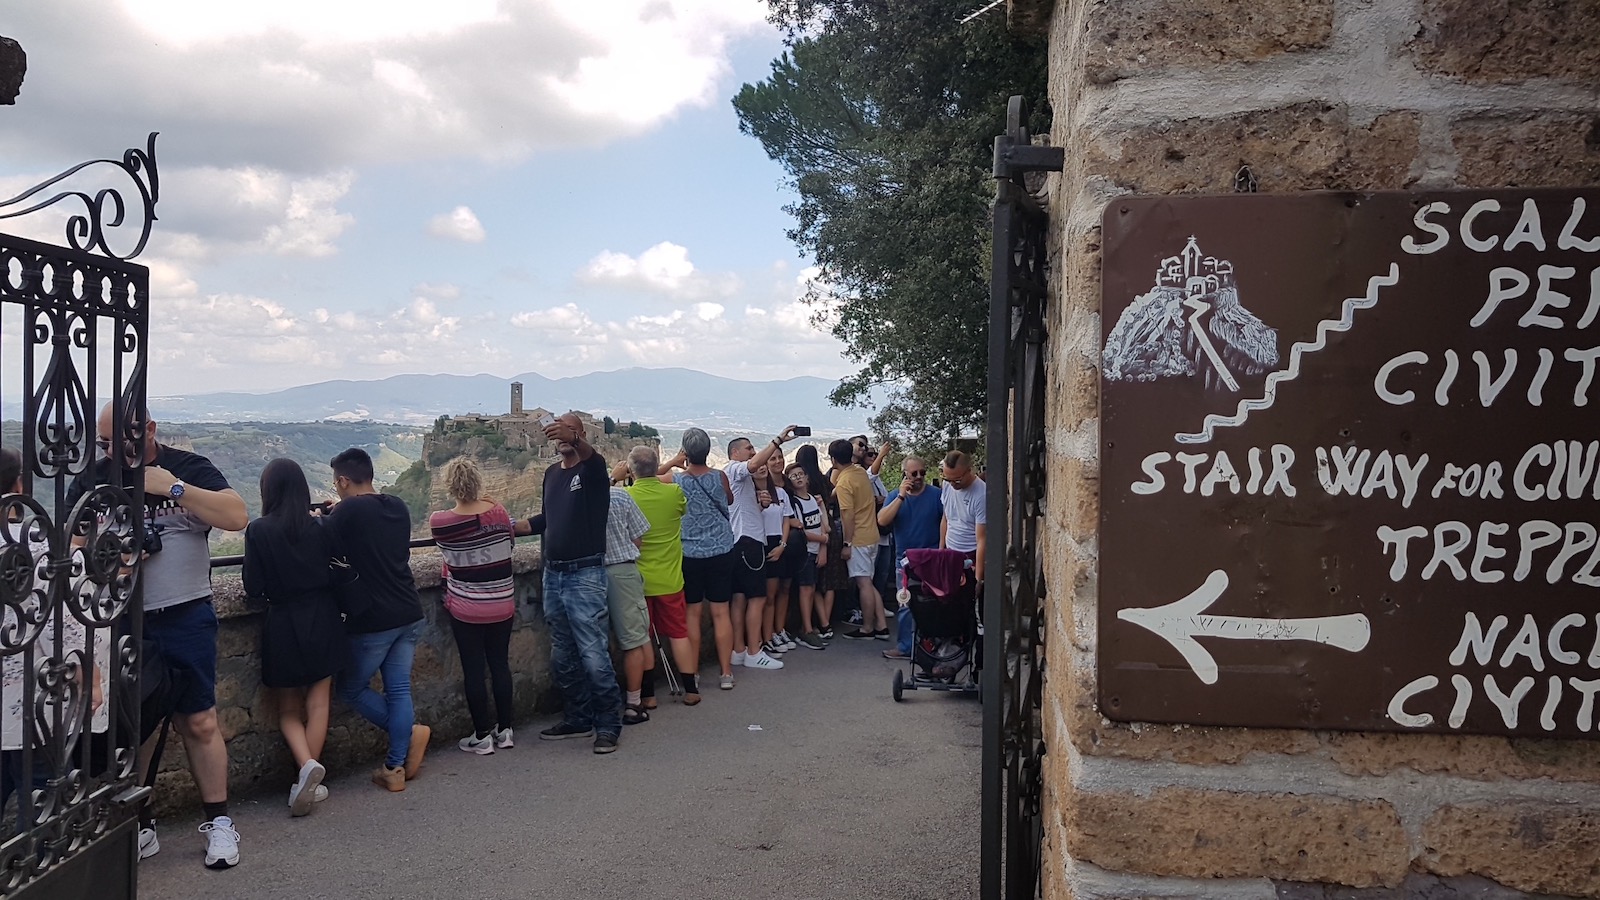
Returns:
point(1013, 661)
point(74, 322)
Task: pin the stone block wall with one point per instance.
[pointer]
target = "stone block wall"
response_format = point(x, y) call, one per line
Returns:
point(1174, 96)
point(258, 761)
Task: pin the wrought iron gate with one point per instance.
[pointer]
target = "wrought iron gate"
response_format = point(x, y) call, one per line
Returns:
point(73, 327)
point(1014, 589)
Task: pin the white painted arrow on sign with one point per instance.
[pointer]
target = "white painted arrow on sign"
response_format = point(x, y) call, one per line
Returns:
point(1200, 307)
point(1180, 622)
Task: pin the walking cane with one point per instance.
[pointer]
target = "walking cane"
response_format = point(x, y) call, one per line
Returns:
point(674, 685)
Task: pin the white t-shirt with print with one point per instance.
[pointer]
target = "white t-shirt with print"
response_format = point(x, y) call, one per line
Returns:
point(810, 520)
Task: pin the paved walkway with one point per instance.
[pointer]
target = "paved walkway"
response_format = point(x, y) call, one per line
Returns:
point(841, 794)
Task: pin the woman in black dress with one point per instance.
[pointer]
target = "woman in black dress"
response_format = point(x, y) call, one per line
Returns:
point(287, 555)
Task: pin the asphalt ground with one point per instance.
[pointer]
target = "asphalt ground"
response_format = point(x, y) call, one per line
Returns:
point(800, 783)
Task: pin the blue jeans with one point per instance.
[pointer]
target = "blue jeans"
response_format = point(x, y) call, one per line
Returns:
point(389, 653)
point(905, 626)
point(580, 648)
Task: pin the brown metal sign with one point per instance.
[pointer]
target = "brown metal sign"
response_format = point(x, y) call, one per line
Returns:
point(1350, 468)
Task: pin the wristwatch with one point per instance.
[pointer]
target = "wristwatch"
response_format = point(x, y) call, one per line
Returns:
point(176, 490)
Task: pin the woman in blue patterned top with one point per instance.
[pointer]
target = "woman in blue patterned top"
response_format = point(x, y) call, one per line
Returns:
point(707, 546)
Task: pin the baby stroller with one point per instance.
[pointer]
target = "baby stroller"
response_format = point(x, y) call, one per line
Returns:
point(943, 590)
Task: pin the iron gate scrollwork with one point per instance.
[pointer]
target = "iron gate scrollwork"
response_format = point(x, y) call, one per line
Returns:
point(1014, 588)
point(74, 322)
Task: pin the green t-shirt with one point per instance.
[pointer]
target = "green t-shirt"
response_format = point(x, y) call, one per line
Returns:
point(661, 552)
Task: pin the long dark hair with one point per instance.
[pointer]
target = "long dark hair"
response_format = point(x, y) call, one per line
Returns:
point(285, 496)
point(806, 457)
point(10, 468)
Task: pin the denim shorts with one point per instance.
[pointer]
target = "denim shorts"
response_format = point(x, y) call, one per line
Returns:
point(186, 635)
point(806, 574)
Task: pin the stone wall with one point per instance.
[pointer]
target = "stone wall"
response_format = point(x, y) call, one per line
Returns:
point(258, 761)
point(1163, 96)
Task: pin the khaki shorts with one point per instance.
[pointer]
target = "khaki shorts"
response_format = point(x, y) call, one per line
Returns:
point(630, 617)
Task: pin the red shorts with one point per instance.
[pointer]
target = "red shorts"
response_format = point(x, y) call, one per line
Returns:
point(667, 616)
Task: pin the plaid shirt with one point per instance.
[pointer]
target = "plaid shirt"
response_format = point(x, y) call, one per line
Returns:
point(625, 524)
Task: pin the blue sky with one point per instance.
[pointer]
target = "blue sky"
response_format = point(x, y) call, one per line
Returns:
point(354, 189)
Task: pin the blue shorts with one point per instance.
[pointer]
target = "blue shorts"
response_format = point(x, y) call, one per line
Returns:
point(186, 635)
point(806, 574)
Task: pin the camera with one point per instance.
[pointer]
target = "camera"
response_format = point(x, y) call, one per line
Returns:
point(152, 540)
point(802, 431)
point(324, 508)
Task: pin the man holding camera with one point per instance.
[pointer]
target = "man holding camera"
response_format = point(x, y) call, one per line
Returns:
point(184, 498)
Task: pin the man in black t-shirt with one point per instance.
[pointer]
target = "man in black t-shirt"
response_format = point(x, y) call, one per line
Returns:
point(577, 502)
point(184, 498)
point(374, 530)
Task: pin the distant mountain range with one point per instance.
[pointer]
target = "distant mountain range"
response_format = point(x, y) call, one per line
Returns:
point(666, 398)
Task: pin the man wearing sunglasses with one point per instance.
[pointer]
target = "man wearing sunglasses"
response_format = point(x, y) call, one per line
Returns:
point(184, 498)
point(914, 513)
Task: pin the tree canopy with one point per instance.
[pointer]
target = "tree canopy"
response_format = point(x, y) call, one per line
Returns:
point(884, 114)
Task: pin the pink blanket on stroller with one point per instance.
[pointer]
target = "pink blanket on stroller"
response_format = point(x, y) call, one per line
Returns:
point(940, 571)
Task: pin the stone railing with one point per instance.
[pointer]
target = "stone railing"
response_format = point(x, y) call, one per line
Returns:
point(258, 760)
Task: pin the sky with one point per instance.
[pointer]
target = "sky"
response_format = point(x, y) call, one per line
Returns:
point(364, 188)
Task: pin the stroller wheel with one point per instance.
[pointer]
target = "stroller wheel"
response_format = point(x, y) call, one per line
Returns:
point(899, 685)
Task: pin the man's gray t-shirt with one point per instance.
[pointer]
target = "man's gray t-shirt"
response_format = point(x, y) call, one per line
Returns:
point(181, 571)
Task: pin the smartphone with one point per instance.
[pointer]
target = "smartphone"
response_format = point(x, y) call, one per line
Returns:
point(802, 431)
point(546, 420)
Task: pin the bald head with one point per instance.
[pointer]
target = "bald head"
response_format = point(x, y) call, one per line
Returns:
point(566, 448)
point(133, 449)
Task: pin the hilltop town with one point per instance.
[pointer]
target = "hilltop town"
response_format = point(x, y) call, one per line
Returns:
point(512, 451)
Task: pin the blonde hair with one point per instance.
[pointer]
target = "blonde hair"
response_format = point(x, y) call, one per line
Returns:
point(462, 480)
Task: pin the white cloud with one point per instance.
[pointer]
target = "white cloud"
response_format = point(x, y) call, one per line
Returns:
point(774, 339)
point(208, 213)
point(663, 269)
point(459, 224)
point(235, 340)
point(308, 86)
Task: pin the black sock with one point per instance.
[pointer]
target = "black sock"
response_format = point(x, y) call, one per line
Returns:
point(647, 687)
point(690, 685)
point(212, 810)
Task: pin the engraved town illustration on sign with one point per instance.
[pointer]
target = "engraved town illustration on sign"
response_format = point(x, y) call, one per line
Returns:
point(1391, 523)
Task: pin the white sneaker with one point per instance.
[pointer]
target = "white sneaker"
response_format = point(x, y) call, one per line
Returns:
point(222, 843)
point(320, 794)
point(483, 746)
point(784, 641)
point(759, 660)
point(149, 845)
point(502, 739)
point(739, 656)
point(304, 792)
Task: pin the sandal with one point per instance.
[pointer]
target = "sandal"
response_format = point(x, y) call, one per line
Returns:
point(691, 699)
point(634, 715)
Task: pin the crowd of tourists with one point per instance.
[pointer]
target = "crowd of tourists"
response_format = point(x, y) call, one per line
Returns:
point(632, 556)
